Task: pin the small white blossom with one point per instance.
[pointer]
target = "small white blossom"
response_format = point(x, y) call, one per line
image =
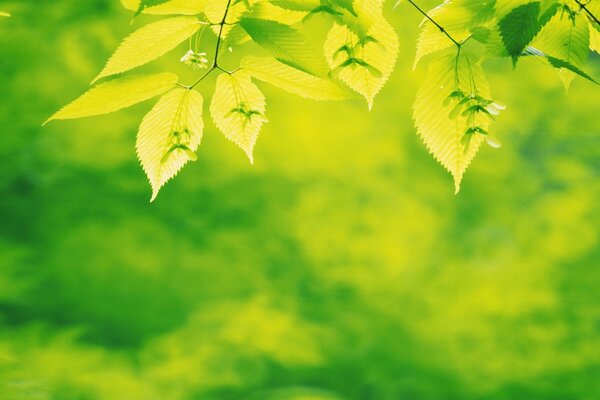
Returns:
point(195, 59)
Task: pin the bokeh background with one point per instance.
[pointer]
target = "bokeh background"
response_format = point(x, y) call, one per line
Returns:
point(339, 266)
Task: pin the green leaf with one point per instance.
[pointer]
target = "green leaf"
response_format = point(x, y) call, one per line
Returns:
point(214, 12)
point(348, 5)
point(281, 41)
point(238, 109)
point(459, 18)
point(117, 94)
point(148, 43)
point(557, 63)
point(293, 80)
point(566, 37)
point(296, 5)
point(269, 11)
point(519, 27)
point(594, 38)
point(169, 135)
point(372, 62)
point(165, 7)
point(594, 27)
point(439, 127)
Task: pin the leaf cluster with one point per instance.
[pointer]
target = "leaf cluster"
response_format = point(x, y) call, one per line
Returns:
point(454, 108)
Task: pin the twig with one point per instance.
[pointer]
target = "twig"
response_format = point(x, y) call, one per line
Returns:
point(441, 28)
point(215, 64)
point(589, 13)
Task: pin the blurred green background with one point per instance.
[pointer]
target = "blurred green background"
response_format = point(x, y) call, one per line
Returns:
point(340, 266)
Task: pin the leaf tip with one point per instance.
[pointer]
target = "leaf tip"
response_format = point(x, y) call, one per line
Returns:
point(154, 194)
point(250, 156)
point(457, 182)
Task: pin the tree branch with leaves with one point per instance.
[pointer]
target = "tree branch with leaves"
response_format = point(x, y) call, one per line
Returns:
point(454, 109)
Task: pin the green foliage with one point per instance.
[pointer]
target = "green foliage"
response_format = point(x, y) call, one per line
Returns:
point(519, 27)
point(238, 109)
point(169, 136)
point(117, 94)
point(293, 80)
point(148, 43)
point(340, 266)
point(360, 51)
point(281, 41)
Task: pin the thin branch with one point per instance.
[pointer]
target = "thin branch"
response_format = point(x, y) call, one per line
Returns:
point(589, 13)
point(215, 64)
point(441, 28)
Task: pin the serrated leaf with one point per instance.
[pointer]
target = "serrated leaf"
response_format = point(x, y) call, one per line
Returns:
point(442, 132)
point(566, 38)
point(594, 27)
point(296, 5)
point(374, 62)
point(293, 80)
point(457, 17)
point(165, 7)
point(557, 63)
point(519, 27)
point(357, 15)
point(594, 39)
point(431, 40)
point(282, 42)
point(116, 94)
point(169, 135)
point(148, 43)
point(267, 10)
point(232, 32)
point(238, 109)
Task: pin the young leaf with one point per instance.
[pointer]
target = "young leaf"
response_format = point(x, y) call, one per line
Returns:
point(456, 19)
point(519, 27)
point(267, 10)
point(238, 109)
point(149, 43)
point(594, 26)
point(281, 41)
point(566, 37)
point(557, 63)
point(165, 7)
point(214, 12)
point(169, 136)
point(441, 131)
point(296, 5)
point(594, 39)
point(371, 64)
point(117, 94)
point(293, 80)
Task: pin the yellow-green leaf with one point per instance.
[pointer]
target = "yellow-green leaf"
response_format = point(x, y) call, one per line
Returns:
point(150, 42)
point(441, 132)
point(594, 37)
point(293, 80)
point(214, 12)
point(169, 136)
point(117, 94)
point(455, 17)
point(567, 39)
point(183, 7)
point(374, 60)
point(238, 109)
